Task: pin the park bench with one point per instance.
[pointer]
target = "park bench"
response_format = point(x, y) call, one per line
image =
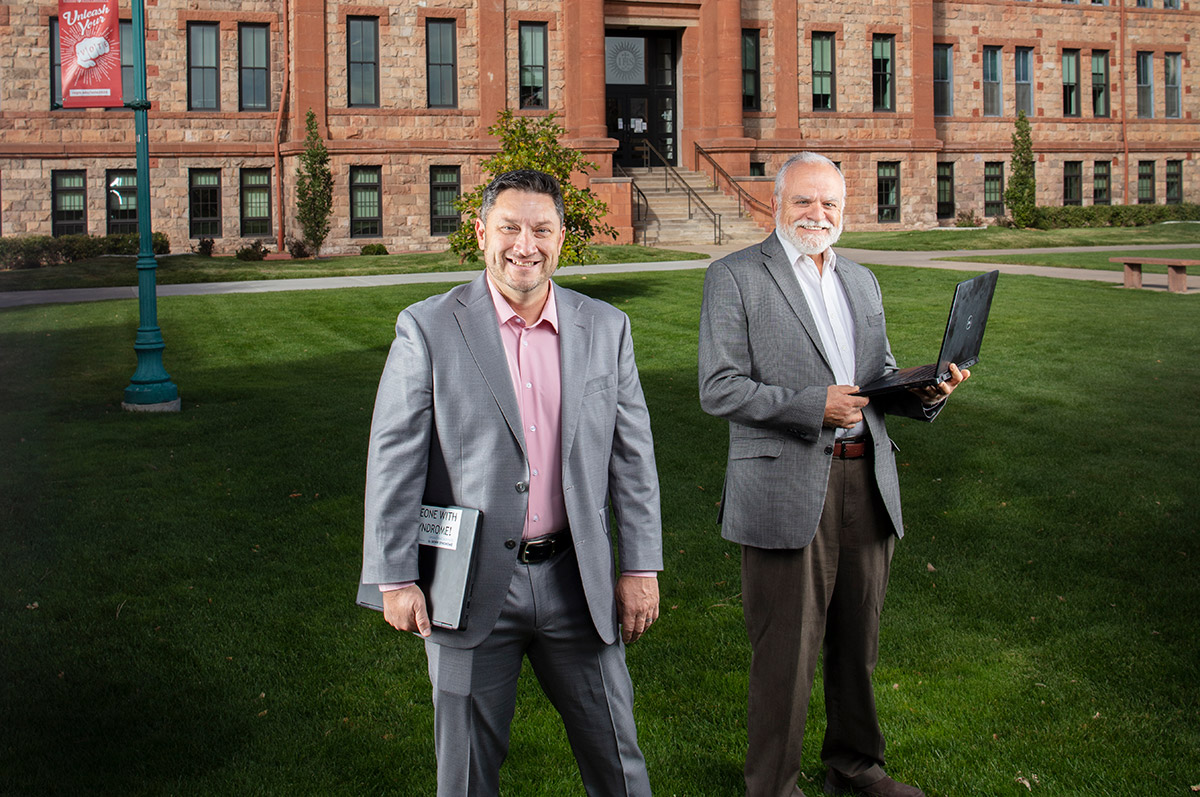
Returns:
point(1176, 271)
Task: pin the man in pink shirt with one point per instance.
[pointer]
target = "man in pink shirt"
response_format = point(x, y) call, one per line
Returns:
point(521, 399)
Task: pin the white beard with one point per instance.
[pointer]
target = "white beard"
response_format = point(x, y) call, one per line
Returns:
point(810, 241)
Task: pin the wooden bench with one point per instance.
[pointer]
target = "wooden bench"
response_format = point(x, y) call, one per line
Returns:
point(1176, 271)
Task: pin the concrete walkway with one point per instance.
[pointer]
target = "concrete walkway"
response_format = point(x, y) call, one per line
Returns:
point(914, 259)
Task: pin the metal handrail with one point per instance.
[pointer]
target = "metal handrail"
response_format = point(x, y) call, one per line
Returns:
point(670, 171)
point(744, 197)
point(642, 206)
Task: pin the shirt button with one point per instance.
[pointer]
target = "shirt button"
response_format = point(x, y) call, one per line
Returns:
point(528, 384)
point(536, 518)
point(535, 472)
point(533, 428)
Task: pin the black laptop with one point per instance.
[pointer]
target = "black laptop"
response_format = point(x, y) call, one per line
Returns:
point(960, 344)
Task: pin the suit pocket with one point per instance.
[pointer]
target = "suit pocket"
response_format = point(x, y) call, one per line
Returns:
point(752, 447)
point(875, 317)
point(599, 384)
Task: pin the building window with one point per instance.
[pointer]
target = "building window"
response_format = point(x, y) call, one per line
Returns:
point(1174, 182)
point(55, 66)
point(254, 66)
point(751, 71)
point(1101, 183)
point(256, 202)
point(943, 80)
point(993, 188)
point(992, 91)
point(1143, 3)
point(1174, 84)
point(823, 84)
point(443, 190)
point(1070, 82)
point(1073, 182)
point(533, 64)
point(945, 190)
point(887, 182)
point(203, 66)
point(362, 61)
point(128, 84)
point(204, 203)
point(366, 201)
point(1170, 3)
point(1145, 182)
point(440, 63)
point(883, 73)
point(121, 201)
point(1023, 77)
point(68, 198)
point(1145, 85)
point(1100, 83)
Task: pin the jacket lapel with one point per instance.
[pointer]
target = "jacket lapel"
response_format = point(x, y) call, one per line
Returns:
point(576, 326)
point(781, 271)
point(481, 332)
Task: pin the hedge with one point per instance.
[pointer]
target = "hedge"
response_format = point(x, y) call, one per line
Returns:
point(34, 251)
point(1052, 218)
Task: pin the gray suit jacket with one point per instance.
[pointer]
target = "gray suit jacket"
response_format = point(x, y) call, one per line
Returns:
point(447, 430)
point(762, 367)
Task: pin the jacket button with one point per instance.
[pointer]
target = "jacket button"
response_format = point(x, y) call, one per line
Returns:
point(828, 450)
point(510, 544)
point(522, 487)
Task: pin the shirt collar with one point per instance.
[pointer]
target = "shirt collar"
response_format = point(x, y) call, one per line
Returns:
point(505, 312)
point(830, 262)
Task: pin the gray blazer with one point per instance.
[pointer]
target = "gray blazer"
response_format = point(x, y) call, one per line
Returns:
point(762, 367)
point(447, 430)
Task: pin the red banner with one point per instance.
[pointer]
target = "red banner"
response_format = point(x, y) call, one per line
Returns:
point(89, 38)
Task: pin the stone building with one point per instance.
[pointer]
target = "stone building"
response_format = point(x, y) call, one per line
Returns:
point(916, 100)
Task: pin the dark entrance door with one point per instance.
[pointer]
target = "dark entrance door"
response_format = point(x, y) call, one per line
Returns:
point(641, 103)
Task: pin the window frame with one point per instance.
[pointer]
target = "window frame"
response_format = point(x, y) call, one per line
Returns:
point(993, 89)
point(114, 222)
point(448, 98)
point(441, 225)
point(1174, 178)
point(68, 226)
point(824, 77)
point(250, 224)
point(889, 212)
point(943, 87)
point(1173, 92)
point(1101, 183)
point(1144, 82)
point(528, 93)
point(260, 76)
point(1072, 183)
point(196, 220)
point(993, 184)
point(208, 72)
point(1101, 90)
point(751, 69)
point(362, 61)
point(1071, 93)
point(945, 188)
point(366, 226)
point(1145, 183)
point(883, 97)
point(1023, 88)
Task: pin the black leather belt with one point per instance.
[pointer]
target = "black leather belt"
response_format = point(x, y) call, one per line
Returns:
point(850, 449)
point(540, 549)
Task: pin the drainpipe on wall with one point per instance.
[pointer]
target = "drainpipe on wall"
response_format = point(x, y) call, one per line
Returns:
point(283, 93)
point(1121, 61)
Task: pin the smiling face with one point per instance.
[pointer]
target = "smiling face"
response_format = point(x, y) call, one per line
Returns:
point(808, 209)
point(521, 240)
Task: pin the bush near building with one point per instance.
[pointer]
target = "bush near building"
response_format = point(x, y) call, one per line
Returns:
point(1057, 218)
point(35, 251)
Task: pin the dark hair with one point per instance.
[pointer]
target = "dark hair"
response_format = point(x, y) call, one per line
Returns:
point(530, 180)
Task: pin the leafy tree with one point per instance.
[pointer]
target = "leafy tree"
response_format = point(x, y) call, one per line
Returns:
point(534, 144)
point(314, 188)
point(1021, 194)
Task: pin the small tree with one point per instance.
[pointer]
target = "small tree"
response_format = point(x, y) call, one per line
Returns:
point(314, 188)
point(1021, 194)
point(533, 144)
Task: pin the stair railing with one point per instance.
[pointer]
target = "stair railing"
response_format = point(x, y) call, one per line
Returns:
point(669, 172)
point(743, 196)
point(641, 206)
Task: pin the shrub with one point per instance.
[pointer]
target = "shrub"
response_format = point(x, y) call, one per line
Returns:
point(314, 187)
point(1021, 195)
point(967, 218)
point(374, 249)
point(255, 251)
point(204, 247)
point(297, 248)
point(26, 251)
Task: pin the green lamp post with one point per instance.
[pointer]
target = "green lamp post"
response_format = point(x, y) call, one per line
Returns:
point(150, 388)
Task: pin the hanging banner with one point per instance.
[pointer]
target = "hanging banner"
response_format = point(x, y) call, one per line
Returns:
point(89, 38)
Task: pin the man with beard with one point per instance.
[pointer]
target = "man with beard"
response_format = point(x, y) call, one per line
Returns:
point(520, 398)
point(788, 329)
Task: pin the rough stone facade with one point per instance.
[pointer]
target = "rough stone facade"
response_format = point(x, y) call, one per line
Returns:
point(401, 135)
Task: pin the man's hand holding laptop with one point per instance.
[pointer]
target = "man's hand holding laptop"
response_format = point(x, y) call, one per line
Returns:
point(934, 393)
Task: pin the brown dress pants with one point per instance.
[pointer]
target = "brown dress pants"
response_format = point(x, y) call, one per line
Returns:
point(829, 593)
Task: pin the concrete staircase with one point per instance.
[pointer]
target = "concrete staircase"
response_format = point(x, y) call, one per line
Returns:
point(666, 221)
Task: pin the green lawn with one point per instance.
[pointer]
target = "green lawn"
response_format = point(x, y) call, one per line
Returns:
point(177, 590)
point(1090, 260)
point(103, 272)
point(1005, 238)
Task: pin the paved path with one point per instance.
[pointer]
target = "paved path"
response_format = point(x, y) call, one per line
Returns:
point(915, 259)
